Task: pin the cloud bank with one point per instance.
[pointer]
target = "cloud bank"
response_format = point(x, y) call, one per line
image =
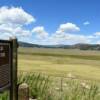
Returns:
point(13, 22)
point(15, 16)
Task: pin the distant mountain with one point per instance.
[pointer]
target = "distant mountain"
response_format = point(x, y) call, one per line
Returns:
point(24, 44)
point(87, 46)
point(75, 46)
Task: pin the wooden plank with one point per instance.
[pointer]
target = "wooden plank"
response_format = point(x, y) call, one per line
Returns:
point(13, 89)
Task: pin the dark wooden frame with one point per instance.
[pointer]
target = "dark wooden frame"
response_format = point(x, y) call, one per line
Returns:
point(13, 67)
point(10, 62)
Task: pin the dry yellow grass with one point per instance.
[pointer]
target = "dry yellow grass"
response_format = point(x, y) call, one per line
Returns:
point(59, 65)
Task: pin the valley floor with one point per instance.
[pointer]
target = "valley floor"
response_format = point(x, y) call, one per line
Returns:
point(60, 62)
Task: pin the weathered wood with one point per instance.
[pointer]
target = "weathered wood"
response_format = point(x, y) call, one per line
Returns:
point(13, 91)
point(5, 64)
point(23, 92)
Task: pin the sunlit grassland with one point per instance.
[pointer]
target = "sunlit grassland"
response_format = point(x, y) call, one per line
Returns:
point(60, 62)
point(46, 72)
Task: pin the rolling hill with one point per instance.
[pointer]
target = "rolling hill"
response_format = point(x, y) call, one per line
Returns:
point(75, 46)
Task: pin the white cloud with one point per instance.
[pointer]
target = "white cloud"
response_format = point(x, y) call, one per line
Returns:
point(40, 32)
point(97, 33)
point(16, 31)
point(13, 20)
point(77, 38)
point(68, 27)
point(15, 16)
point(70, 38)
point(86, 23)
point(98, 42)
point(5, 29)
point(22, 32)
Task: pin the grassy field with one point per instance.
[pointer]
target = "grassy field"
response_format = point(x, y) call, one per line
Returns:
point(74, 74)
point(60, 62)
point(59, 74)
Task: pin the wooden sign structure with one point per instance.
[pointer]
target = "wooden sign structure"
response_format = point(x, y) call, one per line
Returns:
point(8, 67)
point(5, 65)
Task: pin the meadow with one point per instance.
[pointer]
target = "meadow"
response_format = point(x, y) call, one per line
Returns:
point(60, 62)
point(73, 74)
point(59, 74)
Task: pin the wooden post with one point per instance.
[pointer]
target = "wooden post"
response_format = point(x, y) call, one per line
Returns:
point(13, 90)
point(23, 92)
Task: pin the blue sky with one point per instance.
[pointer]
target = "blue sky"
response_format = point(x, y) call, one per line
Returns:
point(53, 21)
